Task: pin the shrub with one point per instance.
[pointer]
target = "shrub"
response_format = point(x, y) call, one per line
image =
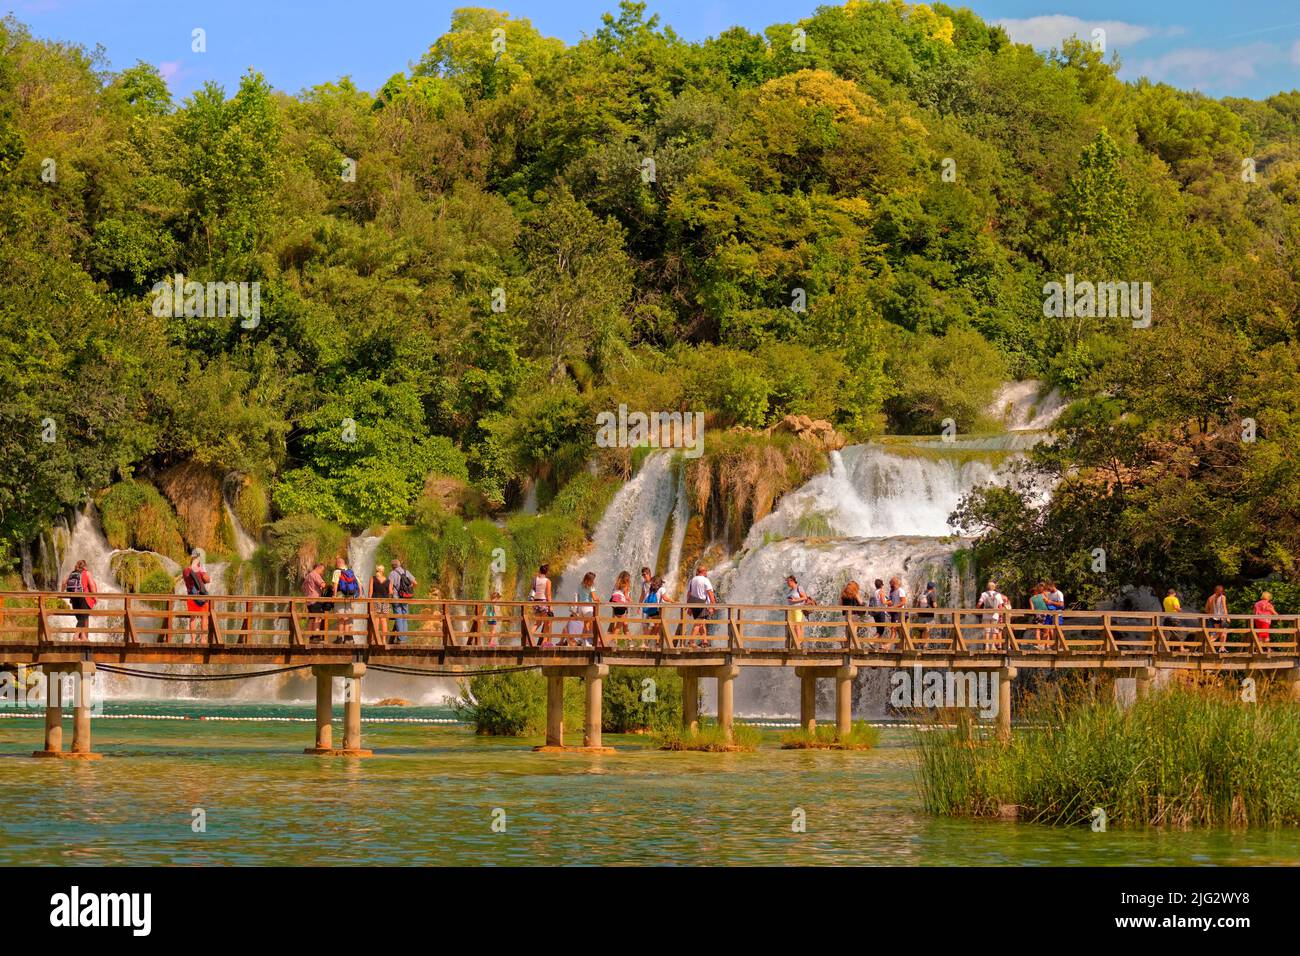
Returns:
point(136, 515)
point(625, 710)
point(513, 704)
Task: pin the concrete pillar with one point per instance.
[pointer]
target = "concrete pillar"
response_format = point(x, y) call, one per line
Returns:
point(53, 727)
point(554, 710)
point(726, 677)
point(79, 675)
point(844, 700)
point(352, 713)
point(1293, 677)
point(1005, 676)
point(690, 701)
point(325, 674)
point(324, 708)
point(807, 700)
point(595, 679)
point(1144, 676)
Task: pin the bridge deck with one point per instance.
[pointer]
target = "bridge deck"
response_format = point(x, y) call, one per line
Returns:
point(276, 629)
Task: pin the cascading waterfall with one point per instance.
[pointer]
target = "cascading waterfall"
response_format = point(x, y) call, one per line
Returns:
point(629, 535)
point(880, 510)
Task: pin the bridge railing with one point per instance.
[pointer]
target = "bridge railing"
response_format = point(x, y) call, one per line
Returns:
point(293, 621)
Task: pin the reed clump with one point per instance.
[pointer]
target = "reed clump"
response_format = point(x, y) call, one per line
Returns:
point(1181, 758)
point(709, 737)
point(861, 736)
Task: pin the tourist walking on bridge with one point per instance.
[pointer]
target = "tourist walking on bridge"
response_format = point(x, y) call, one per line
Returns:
point(196, 580)
point(991, 600)
point(796, 598)
point(82, 586)
point(878, 599)
point(403, 587)
point(1264, 610)
point(851, 597)
point(381, 591)
point(619, 600)
point(653, 600)
point(897, 600)
point(1171, 606)
point(540, 595)
point(344, 584)
point(699, 598)
point(1216, 609)
point(313, 589)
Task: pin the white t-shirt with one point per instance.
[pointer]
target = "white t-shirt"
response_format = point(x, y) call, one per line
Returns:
point(697, 592)
point(992, 600)
point(902, 595)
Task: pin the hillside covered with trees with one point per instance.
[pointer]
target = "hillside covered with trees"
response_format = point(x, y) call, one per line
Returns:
point(851, 217)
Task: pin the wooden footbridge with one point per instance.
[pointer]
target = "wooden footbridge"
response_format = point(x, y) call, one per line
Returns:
point(340, 638)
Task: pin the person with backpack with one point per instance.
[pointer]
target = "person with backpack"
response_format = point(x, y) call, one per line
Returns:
point(345, 586)
point(991, 600)
point(196, 580)
point(403, 585)
point(653, 601)
point(82, 587)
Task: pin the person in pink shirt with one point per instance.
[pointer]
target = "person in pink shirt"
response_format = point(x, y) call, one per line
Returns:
point(313, 589)
point(1264, 609)
point(82, 587)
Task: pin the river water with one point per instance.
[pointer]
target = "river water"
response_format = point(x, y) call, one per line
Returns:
point(428, 796)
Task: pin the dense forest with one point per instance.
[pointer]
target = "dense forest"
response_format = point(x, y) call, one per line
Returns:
point(851, 217)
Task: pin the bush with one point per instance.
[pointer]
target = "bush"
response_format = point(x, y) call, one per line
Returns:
point(513, 704)
point(624, 709)
point(295, 543)
point(136, 515)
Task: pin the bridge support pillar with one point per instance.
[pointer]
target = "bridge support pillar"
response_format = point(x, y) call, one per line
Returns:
point(595, 678)
point(1293, 678)
point(690, 700)
point(554, 710)
point(726, 677)
point(1144, 676)
point(844, 701)
point(351, 674)
point(807, 700)
point(68, 683)
point(1005, 676)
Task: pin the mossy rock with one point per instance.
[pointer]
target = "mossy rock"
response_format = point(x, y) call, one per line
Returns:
point(136, 515)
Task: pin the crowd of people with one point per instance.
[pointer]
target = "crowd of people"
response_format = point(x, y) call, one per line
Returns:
point(330, 600)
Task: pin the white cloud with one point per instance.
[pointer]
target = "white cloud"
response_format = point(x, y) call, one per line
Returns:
point(1198, 67)
point(169, 70)
point(1049, 31)
point(1295, 53)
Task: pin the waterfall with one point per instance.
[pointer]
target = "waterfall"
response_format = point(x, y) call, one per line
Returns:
point(361, 558)
point(880, 510)
point(245, 545)
point(632, 528)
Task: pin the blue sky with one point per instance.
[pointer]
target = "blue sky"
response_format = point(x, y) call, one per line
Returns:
point(1221, 48)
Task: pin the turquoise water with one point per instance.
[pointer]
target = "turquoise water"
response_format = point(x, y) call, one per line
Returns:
point(428, 797)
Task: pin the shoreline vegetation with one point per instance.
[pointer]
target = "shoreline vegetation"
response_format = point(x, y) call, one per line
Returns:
point(861, 736)
point(1180, 758)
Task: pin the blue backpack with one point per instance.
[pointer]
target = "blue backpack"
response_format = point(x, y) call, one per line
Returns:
point(348, 586)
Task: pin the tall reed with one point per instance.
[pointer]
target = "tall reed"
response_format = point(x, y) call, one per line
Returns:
point(1180, 758)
